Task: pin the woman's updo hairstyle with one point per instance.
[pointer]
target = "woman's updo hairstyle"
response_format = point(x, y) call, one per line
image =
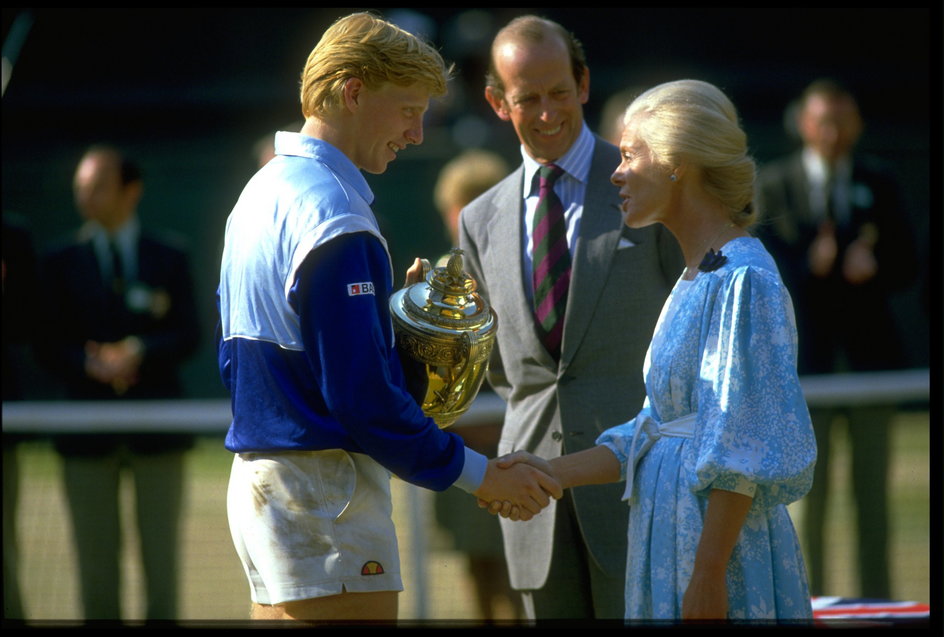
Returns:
point(691, 121)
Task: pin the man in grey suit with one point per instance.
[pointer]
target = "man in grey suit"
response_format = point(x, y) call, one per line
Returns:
point(563, 388)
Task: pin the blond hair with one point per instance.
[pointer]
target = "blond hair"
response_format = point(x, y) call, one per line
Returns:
point(373, 50)
point(690, 121)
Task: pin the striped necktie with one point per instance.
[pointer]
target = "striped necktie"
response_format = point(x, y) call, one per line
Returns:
point(551, 261)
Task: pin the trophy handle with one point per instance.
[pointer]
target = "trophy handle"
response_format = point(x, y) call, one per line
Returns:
point(474, 343)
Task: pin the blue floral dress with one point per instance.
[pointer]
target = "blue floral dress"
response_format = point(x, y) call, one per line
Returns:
point(722, 358)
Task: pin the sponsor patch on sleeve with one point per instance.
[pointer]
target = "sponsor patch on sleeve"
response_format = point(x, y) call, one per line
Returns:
point(356, 289)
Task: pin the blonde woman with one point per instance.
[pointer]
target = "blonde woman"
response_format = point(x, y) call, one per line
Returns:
point(724, 442)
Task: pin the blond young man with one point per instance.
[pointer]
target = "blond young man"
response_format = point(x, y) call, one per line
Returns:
point(321, 413)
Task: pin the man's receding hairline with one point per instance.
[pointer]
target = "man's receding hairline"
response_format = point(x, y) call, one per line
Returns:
point(528, 29)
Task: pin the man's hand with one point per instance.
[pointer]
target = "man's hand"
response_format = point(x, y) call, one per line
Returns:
point(823, 251)
point(517, 486)
point(417, 272)
point(859, 263)
point(114, 364)
point(507, 507)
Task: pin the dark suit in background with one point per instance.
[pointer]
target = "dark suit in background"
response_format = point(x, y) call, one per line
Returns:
point(843, 325)
point(838, 227)
point(151, 307)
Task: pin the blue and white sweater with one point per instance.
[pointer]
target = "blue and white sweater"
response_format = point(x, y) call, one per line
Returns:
point(306, 344)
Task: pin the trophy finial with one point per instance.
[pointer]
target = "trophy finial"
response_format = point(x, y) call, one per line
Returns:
point(454, 265)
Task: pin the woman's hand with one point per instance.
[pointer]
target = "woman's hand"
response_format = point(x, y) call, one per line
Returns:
point(597, 465)
point(706, 597)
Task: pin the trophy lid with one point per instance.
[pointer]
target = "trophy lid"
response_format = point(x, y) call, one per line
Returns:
point(448, 299)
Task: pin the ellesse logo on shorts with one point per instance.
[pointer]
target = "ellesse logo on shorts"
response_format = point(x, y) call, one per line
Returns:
point(356, 289)
point(372, 568)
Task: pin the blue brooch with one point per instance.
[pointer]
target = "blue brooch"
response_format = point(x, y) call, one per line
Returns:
point(712, 261)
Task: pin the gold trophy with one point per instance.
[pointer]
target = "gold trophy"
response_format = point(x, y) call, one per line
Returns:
point(444, 332)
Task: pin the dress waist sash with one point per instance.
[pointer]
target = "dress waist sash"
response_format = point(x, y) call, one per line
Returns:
point(683, 427)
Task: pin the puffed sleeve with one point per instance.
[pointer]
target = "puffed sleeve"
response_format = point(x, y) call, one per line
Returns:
point(619, 440)
point(754, 423)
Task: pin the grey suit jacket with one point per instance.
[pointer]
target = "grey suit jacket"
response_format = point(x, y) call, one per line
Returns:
point(620, 280)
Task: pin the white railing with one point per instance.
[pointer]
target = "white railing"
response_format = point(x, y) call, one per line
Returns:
point(212, 417)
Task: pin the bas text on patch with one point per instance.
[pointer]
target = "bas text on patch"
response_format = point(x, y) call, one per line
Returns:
point(356, 289)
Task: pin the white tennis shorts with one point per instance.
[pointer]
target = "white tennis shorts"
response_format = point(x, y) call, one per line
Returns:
point(311, 524)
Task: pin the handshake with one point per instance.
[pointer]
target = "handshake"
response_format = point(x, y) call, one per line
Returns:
point(518, 486)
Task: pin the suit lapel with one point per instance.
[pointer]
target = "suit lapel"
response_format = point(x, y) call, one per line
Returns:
point(89, 263)
point(800, 195)
point(506, 231)
point(600, 228)
point(146, 256)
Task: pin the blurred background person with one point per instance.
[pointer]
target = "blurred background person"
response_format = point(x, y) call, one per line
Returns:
point(837, 224)
point(611, 117)
point(119, 319)
point(264, 147)
point(477, 536)
point(460, 181)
